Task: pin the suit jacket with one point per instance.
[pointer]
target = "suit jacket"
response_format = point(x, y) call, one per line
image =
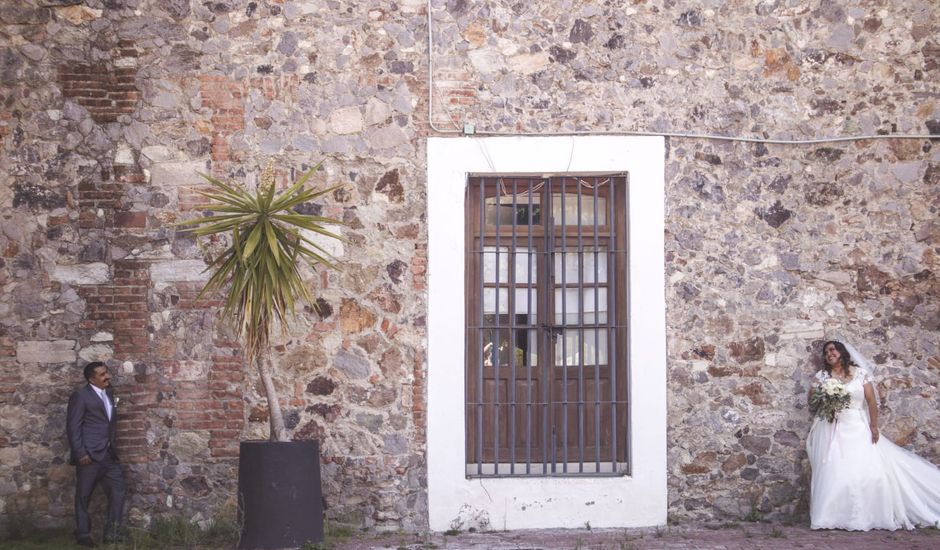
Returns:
point(87, 426)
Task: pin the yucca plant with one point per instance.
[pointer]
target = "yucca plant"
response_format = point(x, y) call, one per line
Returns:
point(259, 272)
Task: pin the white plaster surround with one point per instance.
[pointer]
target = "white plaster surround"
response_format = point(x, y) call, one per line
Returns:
point(516, 503)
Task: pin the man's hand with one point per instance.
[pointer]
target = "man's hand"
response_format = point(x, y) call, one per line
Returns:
point(85, 460)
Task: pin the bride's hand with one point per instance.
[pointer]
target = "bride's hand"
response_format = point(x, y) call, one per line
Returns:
point(874, 434)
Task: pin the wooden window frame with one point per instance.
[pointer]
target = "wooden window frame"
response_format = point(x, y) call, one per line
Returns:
point(543, 457)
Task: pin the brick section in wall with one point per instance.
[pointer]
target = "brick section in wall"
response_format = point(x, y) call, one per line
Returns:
point(142, 398)
point(454, 91)
point(101, 203)
point(7, 348)
point(6, 122)
point(419, 267)
point(225, 98)
point(418, 398)
point(212, 403)
point(10, 376)
point(97, 202)
point(120, 308)
point(282, 87)
point(98, 302)
point(226, 381)
point(186, 293)
point(931, 53)
point(129, 308)
point(189, 198)
point(107, 91)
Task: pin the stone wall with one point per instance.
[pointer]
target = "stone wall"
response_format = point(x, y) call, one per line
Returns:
point(109, 108)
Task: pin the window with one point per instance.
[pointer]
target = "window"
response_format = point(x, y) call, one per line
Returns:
point(546, 325)
point(543, 500)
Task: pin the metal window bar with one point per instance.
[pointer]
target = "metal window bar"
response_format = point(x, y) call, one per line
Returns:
point(511, 263)
point(580, 258)
point(546, 327)
point(597, 345)
point(529, 367)
point(547, 314)
point(496, 333)
point(625, 276)
point(564, 321)
point(612, 334)
point(481, 350)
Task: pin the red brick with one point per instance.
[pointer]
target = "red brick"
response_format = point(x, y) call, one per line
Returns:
point(130, 219)
point(226, 453)
point(130, 176)
point(88, 92)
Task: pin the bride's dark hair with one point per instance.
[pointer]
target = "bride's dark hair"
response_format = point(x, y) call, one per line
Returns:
point(844, 356)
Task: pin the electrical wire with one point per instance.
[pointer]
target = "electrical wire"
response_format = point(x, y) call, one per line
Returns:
point(680, 135)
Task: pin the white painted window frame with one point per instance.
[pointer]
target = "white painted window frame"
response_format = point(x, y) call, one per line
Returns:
point(568, 502)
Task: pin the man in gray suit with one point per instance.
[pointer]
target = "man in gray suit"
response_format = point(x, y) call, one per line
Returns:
point(91, 427)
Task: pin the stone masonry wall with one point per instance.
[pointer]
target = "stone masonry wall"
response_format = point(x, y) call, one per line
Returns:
point(109, 108)
point(769, 248)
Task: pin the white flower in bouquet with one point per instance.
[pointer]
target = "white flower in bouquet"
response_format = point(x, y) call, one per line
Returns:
point(828, 399)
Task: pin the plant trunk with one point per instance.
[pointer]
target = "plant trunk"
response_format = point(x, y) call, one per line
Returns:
point(278, 431)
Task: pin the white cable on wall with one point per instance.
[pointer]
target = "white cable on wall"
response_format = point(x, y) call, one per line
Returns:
point(833, 139)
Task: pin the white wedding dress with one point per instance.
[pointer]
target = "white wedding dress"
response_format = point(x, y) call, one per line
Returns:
point(858, 485)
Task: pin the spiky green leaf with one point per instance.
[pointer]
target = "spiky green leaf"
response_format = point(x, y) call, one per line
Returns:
point(259, 270)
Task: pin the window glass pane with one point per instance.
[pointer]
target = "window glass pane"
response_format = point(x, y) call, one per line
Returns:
point(571, 209)
point(492, 320)
point(601, 255)
point(524, 308)
point(526, 262)
point(574, 347)
point(496, 347)
point(569, 256)
point(595, 313)
point(566, 261)
point(571, 305)
point(489, 264)
point(527, 348)
point(520, 215)
point(489, 300)
point(566, 300)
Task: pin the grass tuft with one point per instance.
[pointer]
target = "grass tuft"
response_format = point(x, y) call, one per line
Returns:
point(337, 531)
point(754, 516)
point(167, 532)
point(177, 531)
point(20, 535)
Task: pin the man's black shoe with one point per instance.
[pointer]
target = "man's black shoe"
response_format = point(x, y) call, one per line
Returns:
point(115, 538)
point(86, 542)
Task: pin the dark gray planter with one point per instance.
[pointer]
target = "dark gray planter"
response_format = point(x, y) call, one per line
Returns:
point(279, 495)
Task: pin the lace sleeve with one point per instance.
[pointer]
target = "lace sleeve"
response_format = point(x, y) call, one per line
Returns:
point(867, 378)
point(819, 377)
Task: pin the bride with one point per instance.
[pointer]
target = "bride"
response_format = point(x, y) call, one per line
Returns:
point(861, 480)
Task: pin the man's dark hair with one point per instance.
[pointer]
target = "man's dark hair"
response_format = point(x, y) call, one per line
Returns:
point(90, 369)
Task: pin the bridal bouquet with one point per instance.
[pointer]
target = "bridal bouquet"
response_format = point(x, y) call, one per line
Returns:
point(828, 399)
